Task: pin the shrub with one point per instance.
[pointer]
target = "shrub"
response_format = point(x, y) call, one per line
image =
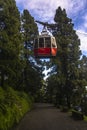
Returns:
point(13, 106)
point(77, 115)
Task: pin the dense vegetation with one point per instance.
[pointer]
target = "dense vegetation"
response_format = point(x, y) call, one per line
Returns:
point(21, 75)
point(13, 106)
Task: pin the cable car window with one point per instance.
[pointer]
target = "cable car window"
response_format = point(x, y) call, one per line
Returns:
point(36, 43)
point(47, 42)
point(41, 42)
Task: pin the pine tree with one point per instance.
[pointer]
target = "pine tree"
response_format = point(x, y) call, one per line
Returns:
point(69, 51)
point(29, 31)
point(10, 42)
point(67, 59)
point(83, 68)
point(32, 75)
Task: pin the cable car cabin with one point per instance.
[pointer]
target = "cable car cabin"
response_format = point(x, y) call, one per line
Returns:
point(45, 47)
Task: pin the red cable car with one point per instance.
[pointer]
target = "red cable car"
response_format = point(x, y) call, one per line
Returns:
point(45, 45)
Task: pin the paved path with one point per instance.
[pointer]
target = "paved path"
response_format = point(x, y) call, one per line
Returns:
point(47, 117)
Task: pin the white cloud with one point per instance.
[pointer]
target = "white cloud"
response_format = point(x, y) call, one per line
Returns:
point(48, 7)
point(82, 33)
point(83, 37)
point(75, 6)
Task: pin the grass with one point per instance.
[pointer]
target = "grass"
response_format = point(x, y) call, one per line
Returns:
point(13, 106)
point(85, 118)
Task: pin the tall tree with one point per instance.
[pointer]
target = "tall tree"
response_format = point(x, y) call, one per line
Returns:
point(10, 42)
point(83, 68)
point(67, 59)
point(29, 31)
point(32, 73)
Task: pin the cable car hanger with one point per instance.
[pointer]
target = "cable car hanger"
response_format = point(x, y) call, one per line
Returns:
point(45, 45)
point(46, 24)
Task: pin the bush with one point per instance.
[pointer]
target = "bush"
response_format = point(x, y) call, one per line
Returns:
point(77, 115)
point(13, 106)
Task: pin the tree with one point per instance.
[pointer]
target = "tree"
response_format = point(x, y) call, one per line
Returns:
point(67, 60)
point(83, 68)
point(32, 71)
point(10, 43)
point(29, 31)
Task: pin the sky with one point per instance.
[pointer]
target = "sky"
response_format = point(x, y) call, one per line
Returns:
point(44, 10)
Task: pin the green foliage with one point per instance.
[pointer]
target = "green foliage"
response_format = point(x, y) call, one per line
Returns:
point(29, 32)
point(16, 35)
point(85, 118)
point(13, 106)
point(77, 115)
point(66, 64)
point(10, 43)
point(83, 68)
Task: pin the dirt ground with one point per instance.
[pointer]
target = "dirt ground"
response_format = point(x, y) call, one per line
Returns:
point(47, 117)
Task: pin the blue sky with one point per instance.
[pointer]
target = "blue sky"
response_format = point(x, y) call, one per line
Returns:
point(44, 10)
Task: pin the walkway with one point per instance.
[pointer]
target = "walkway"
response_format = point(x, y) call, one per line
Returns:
point(47, 117)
